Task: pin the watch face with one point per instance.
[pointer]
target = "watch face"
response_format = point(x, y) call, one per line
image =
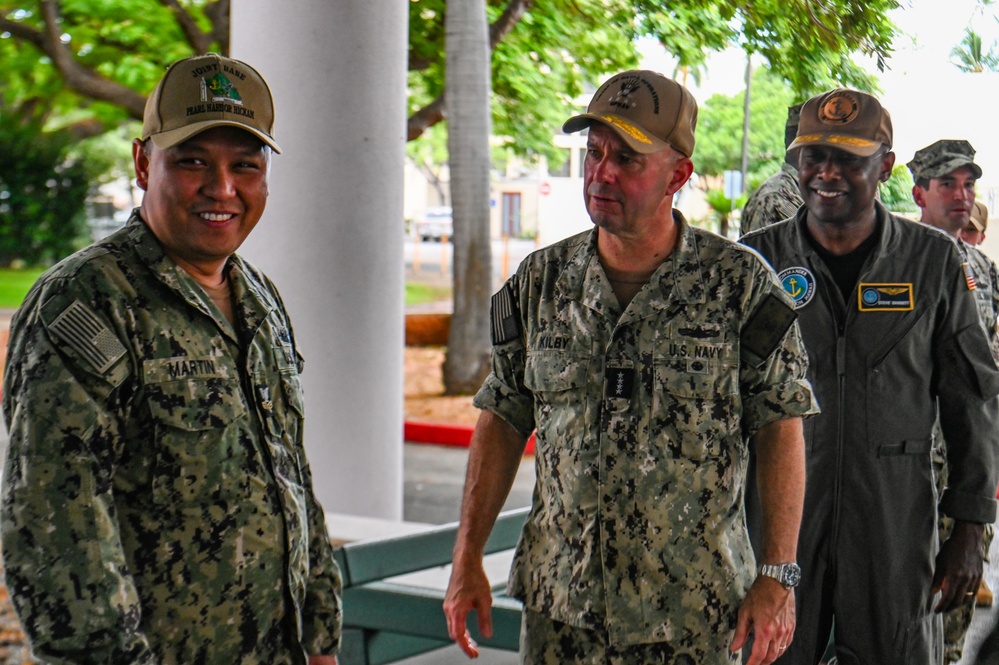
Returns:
point(791, 575)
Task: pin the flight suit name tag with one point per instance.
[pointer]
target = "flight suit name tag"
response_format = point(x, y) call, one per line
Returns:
point(885, 297)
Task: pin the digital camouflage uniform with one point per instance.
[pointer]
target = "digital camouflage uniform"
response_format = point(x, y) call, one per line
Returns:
point(882, 361)
point(777, 198)
point(157, 504)
point(940, 159)
point(637, 529)
point(957, 622)
point(986, 293)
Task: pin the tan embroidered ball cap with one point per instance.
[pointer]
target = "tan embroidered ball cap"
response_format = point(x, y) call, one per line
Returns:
point(647, 110)
point(207, 91)
point(850, 120)
point(980, 216)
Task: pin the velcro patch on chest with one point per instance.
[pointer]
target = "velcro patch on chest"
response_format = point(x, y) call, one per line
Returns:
point(619, 382)
point(765, 329)
point(85, 333)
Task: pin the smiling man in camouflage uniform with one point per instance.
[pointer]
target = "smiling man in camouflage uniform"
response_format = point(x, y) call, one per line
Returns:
point(647, 353)
point(157, 503)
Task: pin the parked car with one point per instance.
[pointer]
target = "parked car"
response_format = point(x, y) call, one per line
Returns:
point(434, 224)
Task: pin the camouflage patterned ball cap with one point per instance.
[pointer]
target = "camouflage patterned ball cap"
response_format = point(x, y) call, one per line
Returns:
point(980, 216)
point(943, 157)
point(647, 110)
point(793, 115)
point(206, 91)
point(845, 119)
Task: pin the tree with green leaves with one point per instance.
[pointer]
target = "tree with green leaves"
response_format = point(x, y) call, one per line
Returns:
point(95, 61)
point(466, 364)
point(43, 190)
point(723, 207)
point(719, 129)
point(970, 56)
point(896, 193)
point(88, 65)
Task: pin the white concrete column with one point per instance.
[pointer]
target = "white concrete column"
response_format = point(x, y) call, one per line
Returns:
point(332, 235)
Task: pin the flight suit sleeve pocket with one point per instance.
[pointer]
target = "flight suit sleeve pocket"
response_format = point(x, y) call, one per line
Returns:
point(969, 349)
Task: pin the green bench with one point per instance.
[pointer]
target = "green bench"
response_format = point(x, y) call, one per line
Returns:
point(390, 614)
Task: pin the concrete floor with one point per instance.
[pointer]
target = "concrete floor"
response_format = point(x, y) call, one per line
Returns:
point(433, 484)
point(982, 644)
point(434, 478)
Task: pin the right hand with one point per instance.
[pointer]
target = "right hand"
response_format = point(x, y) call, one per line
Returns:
point(468, 590)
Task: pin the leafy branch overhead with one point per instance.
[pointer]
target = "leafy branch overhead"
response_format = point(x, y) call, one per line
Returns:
point(94, 62)
point(545, 53)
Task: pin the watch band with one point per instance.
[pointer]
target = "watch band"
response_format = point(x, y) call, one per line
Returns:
point(788, 574)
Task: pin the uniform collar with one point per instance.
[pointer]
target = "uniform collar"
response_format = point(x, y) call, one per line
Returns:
point(679, 280)
point(886, 222)
point(166, 270)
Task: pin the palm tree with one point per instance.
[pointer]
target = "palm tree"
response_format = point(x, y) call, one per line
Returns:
point(968, 56)
point(468, 117)
point(685, 70)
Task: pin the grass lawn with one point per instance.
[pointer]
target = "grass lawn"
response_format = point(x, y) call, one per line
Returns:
point(14, 285)
point(417, 294)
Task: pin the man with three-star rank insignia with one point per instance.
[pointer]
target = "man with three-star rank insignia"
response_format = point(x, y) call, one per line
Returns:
point(945, 174)
point(894, 338)
point(648, 355)
point(157, 503)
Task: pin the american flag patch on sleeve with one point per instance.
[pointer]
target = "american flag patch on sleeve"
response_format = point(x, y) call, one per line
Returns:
point(504, 316)
point(83, 332)
point(969, 276)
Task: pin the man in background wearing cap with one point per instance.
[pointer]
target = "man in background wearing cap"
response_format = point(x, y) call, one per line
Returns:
point(945, 174)
point(892, 333)
point(157, 503)
point(779, 196)
point(642, 352)
point(974, 232)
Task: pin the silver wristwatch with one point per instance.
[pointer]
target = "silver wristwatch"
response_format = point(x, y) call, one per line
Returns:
point(788, 574)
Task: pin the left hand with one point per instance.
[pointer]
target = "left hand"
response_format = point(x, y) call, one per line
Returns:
point(767, 611)
point(322, 660)
point(958, 566)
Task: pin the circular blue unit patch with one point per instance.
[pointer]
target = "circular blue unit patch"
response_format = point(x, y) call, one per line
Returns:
point(799, 283)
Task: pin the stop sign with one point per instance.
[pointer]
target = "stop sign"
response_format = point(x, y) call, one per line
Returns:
point(545, 188)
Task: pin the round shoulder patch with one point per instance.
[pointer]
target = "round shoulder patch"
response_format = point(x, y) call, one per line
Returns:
point(799, 283)
point(839, 108)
